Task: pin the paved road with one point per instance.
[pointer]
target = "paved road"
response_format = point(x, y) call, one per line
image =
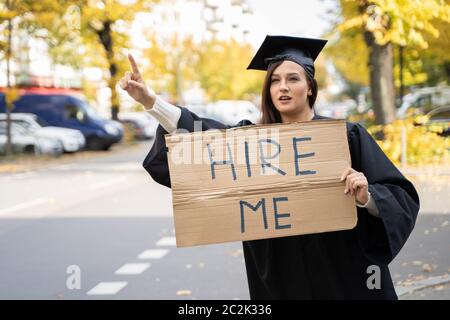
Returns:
point(101, 214)
point(104, 219)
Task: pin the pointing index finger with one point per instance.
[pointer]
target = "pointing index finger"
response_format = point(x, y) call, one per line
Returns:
point(134, 66)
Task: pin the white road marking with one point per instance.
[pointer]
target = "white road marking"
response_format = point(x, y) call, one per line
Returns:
point(153, 254)
point(133, 268)
point(107, 288)
point(167, 241)
point(107, 183)
point(24, 206)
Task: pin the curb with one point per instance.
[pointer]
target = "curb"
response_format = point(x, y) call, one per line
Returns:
point(24, 164)
point(421, 284)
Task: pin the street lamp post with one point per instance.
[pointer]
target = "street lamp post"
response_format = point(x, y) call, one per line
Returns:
point(401, 49)
point(8, 83)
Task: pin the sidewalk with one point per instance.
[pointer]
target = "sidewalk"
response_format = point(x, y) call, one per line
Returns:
point(440, 291)
point(432, 183)
point(426, 170)
point(426, 288)
point(22, 163)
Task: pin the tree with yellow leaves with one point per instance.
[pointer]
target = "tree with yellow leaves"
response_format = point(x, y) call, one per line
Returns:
point(218, 65)
point(172, 64)
point(20, 14)
point(104, 28)
point(222, 70)
point(90, 33)
point(384, 23)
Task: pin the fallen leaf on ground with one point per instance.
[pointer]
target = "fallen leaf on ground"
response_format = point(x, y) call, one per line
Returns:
point(237, 253)
point(427, 268)
point(184, 292)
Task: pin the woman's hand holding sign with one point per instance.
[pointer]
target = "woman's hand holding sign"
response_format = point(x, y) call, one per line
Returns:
point(356, 183)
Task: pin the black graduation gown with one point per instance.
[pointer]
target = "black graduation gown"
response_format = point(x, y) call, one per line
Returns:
point(331, 265)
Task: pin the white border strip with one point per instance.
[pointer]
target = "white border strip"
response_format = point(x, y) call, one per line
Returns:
point(107, 288)
point(24, 206)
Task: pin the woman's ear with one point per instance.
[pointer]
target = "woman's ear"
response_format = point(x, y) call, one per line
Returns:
point(309, 92)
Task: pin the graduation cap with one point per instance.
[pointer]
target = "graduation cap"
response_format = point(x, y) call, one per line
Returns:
point(277, 48)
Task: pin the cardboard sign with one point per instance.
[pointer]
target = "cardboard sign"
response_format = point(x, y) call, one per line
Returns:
point(259, 182)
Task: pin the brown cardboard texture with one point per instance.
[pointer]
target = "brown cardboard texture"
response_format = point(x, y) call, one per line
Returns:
point(259, 182)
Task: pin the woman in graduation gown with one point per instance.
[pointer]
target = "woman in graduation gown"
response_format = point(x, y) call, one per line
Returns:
point(350, 264)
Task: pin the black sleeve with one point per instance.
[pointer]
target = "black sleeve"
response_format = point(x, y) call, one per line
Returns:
point(381, 238)
point(156, 160)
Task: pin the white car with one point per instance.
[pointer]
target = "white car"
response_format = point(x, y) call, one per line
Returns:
point(230, 112)
point(25, 142)
point(72, 140)
point(142, 123)
point(424, 100)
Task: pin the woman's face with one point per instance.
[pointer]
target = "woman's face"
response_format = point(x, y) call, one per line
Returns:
point(289, 88)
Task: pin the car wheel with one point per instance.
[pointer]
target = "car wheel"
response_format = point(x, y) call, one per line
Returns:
point(95, 143)
point(29, 149)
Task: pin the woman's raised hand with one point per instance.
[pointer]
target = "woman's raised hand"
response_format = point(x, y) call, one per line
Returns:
point(135, 86)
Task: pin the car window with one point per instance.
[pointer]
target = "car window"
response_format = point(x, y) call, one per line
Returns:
point(23, 124)
point(423, 104)
point(16, 122)
point(15, 128)
point(2, 128)
point(73, 112)
point(443, 115)
point(41, 122)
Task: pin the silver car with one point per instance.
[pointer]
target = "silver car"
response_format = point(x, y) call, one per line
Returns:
point(71, 139)
point(25, 142)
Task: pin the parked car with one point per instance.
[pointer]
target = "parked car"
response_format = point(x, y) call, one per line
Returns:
point(71, 139)
point(440, 117)
point(199, 109)
point(142, 124)
point(336, 110)
point(424, 100)
point(26, 142)
point(231, 112)
point(68, 109)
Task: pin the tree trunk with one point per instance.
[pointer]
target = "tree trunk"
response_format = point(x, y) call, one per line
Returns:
point(107, 42)
point(381, 79)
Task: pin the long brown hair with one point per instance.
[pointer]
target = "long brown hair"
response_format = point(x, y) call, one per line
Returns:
point(270, 114)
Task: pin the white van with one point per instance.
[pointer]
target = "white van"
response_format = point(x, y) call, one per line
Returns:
point(422, 101)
